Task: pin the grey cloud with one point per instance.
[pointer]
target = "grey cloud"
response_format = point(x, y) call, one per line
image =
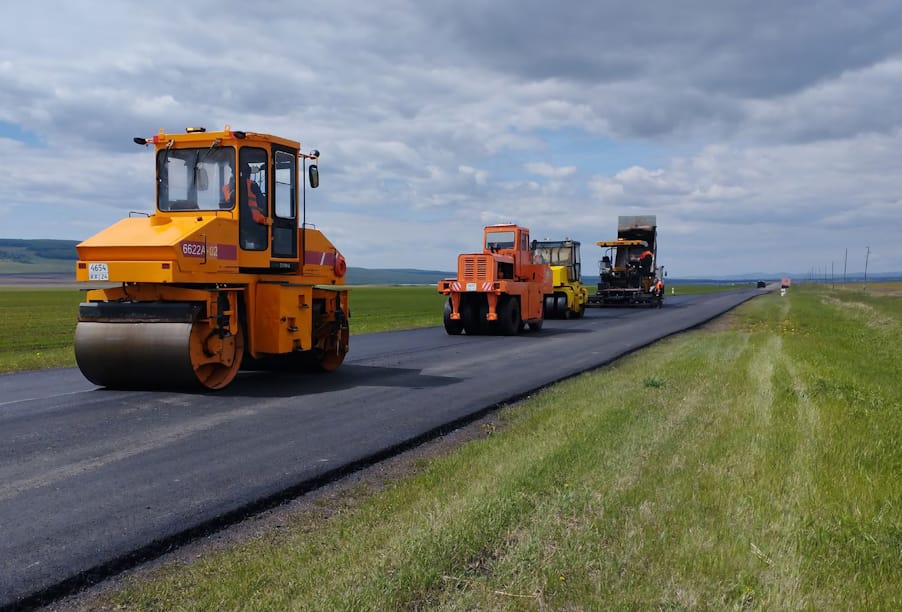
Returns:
point(785, 113)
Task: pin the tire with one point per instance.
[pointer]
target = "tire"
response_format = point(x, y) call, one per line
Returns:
point(560, 307)
point(581, 312)
point(468, 317)
point(548, 306)
point(509, 316)
point(535, 326)
point(483, 324)
point(452, 327)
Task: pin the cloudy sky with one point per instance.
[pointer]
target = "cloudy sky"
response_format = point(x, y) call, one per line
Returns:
point(765, 135)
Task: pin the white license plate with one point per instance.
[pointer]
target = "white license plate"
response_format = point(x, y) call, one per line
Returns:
point(471, 286)
point(98, 272)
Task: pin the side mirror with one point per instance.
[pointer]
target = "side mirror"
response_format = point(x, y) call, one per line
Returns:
point(313, 174)
point(201, 180)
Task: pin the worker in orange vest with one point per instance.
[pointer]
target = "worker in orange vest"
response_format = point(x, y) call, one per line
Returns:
point(645, 260)
point(254, 195)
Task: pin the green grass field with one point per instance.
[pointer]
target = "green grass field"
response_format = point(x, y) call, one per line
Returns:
point(751, 464)
point(37, 328)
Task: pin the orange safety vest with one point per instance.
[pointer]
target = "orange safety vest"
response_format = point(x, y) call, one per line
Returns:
point(646, 254)
point(256, 212)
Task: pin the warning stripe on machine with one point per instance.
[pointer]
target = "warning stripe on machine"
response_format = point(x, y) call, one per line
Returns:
point(319, 258)
point(458, 286)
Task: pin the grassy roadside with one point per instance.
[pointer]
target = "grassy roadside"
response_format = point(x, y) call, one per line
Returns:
point(751, 464)
point(37, 325)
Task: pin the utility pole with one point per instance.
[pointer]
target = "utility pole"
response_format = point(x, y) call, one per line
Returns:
point(832, 279)
point(866, 257)
point(844, 264)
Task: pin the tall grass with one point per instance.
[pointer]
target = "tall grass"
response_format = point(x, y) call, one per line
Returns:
point(749, 465)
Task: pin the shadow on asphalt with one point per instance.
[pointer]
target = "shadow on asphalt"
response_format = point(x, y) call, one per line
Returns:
point(290, 384)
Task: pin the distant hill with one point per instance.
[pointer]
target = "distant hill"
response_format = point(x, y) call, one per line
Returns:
point(36, 256)
point(44, 259)
point(39, 258)
point(401, 276)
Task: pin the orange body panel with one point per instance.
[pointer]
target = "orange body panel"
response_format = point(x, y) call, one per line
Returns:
point(497, 272)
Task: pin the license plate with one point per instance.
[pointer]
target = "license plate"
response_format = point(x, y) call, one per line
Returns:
point(98, 272)
point(471, 286)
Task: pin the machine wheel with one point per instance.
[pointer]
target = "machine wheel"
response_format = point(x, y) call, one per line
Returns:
point(560, 307)
point(535, 326)
point(468, 317)
point(333, 355)
point(509, 316)
point(205, 344)
point(581, 312)
point(482, 311)
point(452, 327)
point(548, 305)
point(157, 355)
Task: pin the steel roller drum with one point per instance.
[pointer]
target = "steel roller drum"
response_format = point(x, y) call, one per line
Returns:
point(135, 355)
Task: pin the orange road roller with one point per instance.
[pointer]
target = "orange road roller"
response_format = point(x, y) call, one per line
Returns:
point(224, 275)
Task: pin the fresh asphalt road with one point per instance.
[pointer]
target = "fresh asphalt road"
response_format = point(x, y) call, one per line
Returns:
point(92, 479)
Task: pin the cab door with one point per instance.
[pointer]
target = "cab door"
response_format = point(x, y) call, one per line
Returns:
point(284, 219)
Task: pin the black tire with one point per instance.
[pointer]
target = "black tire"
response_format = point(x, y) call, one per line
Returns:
point(561, 311)
point(468, 317)
point(581, 312)
point(482, 312)
point(509, 316)
point(535, 326)
point(452, 327)
point(548, 306)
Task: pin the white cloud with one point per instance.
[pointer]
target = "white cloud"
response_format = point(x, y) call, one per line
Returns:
point(549, 171)
point(769, 132)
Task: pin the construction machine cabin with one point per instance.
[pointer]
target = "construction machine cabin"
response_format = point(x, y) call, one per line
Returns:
point(570, 296)
point(629, 274)
point(500, 290)
point(224, 274)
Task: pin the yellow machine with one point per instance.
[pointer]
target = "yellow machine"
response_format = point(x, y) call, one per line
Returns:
point(220, 277)
point(570, 296)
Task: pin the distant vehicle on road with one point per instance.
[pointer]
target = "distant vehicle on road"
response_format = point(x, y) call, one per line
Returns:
point(761, 284)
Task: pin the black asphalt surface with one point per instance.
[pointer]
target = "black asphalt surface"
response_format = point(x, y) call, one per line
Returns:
point(92, 480)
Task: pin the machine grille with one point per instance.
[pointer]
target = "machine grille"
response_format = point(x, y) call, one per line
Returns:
point(475, 268)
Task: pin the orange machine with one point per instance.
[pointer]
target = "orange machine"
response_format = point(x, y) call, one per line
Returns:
point(499, 290)
point(219, 277)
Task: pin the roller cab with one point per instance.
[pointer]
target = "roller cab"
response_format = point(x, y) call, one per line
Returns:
point(223, 274)
point(570, 296)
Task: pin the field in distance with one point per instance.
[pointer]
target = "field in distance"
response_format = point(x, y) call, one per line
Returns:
point(38, 324)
